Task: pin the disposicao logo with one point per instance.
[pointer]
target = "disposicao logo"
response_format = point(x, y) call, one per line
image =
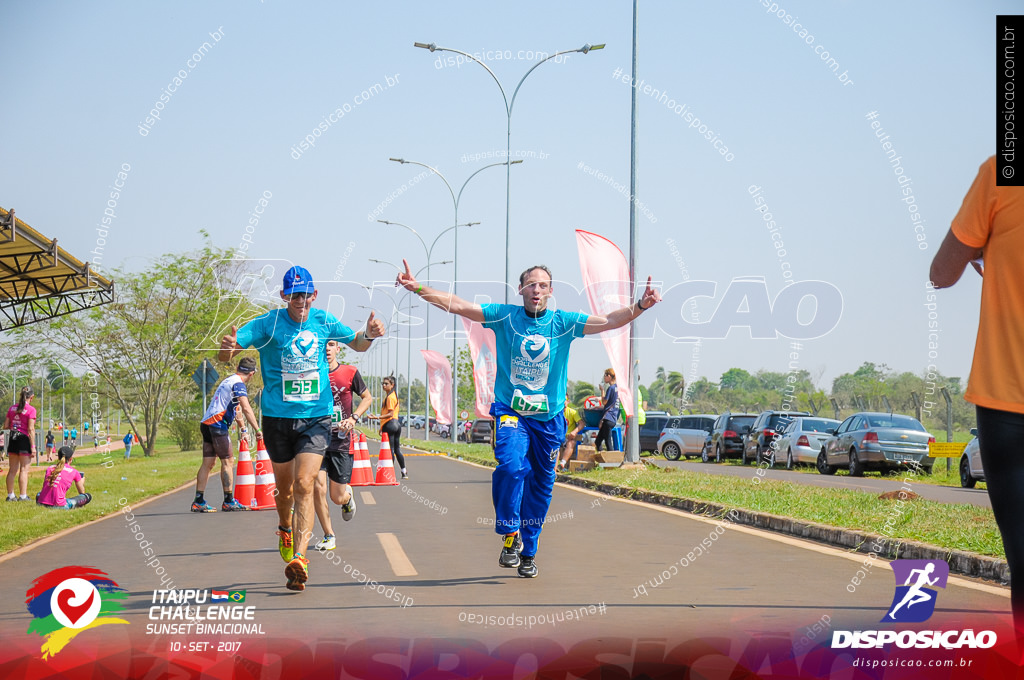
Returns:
point(69, 600)
point(914, 602)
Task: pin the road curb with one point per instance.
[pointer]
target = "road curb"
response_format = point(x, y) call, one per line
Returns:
point(960, 561)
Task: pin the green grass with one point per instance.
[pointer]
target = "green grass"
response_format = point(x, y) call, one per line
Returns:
point(143, 477)
point(939, 476)
point(940, 436)
point(951, 526)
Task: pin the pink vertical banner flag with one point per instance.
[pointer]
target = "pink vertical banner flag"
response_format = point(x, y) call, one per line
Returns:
point(485, 364)
point(439, 384)
point(606, 278)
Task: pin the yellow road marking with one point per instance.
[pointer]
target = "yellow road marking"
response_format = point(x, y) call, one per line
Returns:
point(400, 563)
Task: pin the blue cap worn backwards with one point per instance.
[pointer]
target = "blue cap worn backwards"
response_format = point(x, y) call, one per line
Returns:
point(297, 280)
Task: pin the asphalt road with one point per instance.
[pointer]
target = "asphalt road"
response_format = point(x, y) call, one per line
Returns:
point(431, 542)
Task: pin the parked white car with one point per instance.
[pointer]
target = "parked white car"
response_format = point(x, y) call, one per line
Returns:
point(685, 436)
point(971, 471)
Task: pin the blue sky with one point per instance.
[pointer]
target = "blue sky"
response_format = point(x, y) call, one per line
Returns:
point(84, 77)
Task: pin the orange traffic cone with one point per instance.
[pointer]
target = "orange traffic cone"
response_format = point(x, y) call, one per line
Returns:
point(245, 479)
point(362, 475)
point(385, 466)
point(266, 488)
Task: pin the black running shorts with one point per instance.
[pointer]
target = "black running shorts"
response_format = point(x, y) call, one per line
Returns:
point(216, 442)
point(338, 465)
point(285, 438)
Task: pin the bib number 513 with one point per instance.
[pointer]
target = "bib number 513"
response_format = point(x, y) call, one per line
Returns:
point(300, 387)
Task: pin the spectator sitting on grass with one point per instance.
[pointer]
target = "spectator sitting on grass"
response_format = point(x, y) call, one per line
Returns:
point(58, 480)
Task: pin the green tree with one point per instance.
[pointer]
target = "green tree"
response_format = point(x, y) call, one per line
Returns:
point(737, 380)
point(143, 347)
point(182, 416)
point(582, 390)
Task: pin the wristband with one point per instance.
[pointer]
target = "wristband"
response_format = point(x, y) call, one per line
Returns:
point(641, 307)
point(367, 337)
point(419, 290)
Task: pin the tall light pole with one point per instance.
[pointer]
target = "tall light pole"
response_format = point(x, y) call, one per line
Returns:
point(408, 314)
point(428, 251)
point(408, 365)
point(455, 276)
point(632, 443)
point(390, 320)
point(508, 113)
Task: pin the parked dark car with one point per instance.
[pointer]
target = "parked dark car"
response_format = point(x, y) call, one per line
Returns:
point(757, 444)
point(480, 432)
point(727, 436)
point(650, 431)
point(876, 441)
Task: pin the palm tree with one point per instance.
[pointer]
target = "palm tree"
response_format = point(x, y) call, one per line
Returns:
point(676, 385)
point(582, 390)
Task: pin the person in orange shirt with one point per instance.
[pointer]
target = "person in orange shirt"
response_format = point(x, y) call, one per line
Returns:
point(389, 422)
point(990, 225)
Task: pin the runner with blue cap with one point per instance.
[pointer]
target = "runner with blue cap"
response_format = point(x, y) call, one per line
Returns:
point(297, 402)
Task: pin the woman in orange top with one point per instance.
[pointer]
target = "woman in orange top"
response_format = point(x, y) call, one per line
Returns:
point(389, 422)
point(990, 224)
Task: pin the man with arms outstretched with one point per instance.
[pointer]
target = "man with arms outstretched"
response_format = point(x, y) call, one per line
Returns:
point(532, 345)
point(297, 402)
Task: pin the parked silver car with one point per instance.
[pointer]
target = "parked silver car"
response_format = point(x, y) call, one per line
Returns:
point(876, 441)
point(971, 471)
point(685, 436)
point(801, 440)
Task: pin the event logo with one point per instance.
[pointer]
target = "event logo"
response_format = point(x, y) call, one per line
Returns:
point(912, 601)
point(305, 344)
point(535, 348)
point(69, 600)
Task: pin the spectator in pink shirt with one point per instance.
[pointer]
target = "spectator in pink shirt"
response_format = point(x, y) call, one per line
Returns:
point(59, 479)
point(21, 421)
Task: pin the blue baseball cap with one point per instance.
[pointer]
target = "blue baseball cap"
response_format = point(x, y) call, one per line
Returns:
point(297, 280)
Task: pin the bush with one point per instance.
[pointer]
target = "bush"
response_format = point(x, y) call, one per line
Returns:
point(183, 423)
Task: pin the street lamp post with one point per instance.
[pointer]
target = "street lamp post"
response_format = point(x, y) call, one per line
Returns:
point(397, 310)
point(455, 275)
point(428, 251)
point(408, 365)
point(508, 113)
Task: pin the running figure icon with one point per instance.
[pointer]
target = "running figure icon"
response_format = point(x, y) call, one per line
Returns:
point(916, 594)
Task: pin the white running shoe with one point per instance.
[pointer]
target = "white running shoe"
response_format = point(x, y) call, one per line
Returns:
point(328, 543)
